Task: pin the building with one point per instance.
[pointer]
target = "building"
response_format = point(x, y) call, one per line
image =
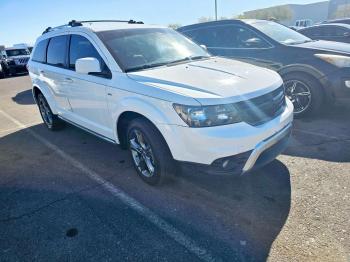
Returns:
point(290, 13)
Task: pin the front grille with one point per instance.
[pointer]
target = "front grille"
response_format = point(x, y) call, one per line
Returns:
point(22, 61)
point(259, 110)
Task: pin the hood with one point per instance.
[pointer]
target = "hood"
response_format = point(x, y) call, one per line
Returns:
point(337, 47)
point(211, 81)
point(19, 56)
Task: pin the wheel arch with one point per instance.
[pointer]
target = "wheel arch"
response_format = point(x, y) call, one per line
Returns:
point(122, 126)
point(36, 89)
point(310, 71)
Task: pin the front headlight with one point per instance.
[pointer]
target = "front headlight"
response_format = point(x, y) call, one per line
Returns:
point(337, 60)
point(205, 116)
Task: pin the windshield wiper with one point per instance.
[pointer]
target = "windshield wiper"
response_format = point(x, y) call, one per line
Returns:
point(188, 58)
point(145, 66)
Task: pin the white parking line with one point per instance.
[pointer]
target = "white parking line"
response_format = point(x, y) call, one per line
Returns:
point(17, 128)
point(317, 134)
point(160, 223)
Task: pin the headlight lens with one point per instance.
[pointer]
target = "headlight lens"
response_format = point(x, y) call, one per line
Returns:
point(205, 116)
point(337, 60)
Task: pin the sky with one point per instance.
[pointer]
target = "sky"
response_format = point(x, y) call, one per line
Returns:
point(22, 21)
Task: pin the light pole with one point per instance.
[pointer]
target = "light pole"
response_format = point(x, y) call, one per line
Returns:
point(216, 10)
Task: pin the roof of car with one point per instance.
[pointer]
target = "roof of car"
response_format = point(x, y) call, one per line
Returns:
point(105, 26)
point(336, 20)
point(95, 26)
point(322, 25)
point(222, 22)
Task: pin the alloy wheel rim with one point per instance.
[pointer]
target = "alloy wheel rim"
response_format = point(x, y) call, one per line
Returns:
point(142, 153)
point(45, 112)
point(299, 94)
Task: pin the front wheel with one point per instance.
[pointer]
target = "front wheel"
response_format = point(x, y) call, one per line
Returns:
point(305, 92)
point(150, 154)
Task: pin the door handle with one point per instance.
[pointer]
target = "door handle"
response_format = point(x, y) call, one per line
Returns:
point(41, 71)
point(68, 80)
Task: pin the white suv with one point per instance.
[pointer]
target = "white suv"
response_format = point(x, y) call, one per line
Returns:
point(161, 96)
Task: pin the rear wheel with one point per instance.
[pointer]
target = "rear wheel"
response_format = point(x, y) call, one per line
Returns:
point(51, 120)
point(305, 92)
point(150, 154)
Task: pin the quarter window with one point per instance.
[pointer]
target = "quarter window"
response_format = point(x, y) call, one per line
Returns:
point(39, 54)
point(56, 51)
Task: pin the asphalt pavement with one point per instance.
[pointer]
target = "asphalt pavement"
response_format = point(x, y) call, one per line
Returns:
point(69, 196)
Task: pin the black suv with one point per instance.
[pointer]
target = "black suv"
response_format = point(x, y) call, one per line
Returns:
point(314, 72)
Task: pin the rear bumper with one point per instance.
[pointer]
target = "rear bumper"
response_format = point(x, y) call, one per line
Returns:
point(265, 152)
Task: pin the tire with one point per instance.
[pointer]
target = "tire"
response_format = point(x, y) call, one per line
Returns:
point(309, 84)
point(51, 120)
point(151, 149)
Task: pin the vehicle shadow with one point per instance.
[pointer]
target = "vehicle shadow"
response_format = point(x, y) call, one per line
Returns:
point(324, 137)
point(245, 213)
point(24, 98)
point(256, 204)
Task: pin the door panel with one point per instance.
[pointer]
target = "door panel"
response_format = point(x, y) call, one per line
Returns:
point(87, 93)
point(53, 72)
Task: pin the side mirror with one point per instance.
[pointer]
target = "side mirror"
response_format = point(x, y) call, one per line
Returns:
point(253, 42)
point(87, 65)
point(204, 47)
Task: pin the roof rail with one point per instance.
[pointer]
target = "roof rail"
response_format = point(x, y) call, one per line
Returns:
point(74, 23)
point(79, 23)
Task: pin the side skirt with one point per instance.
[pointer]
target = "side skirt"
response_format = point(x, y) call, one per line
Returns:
point(87, 130)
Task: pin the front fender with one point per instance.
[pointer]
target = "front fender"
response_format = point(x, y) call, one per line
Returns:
point(310, 70)
point(159, 112)
point(306, 69)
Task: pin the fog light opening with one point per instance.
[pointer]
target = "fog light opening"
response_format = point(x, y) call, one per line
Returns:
point(347, 83)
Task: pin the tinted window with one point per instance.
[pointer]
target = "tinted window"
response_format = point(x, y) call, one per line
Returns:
point(138, 49)
point(40, 52)
point(312, 32)
point(339, 31)
point(17, 52)
point(80, 47)
point(228, 36)
point(56, 51)
point(279, 33)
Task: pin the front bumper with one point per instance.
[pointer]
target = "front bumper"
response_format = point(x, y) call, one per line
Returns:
point(339, 81)
point(264, 153)
point(17, 68)
point(241, 144)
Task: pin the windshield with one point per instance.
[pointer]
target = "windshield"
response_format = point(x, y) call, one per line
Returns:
point(137, 49)
point(280, 33)
point(16, 52)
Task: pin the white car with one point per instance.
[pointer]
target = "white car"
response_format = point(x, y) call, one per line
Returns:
point(161, 96)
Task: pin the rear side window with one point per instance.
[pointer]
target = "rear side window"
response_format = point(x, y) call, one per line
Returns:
point(56, 51)
point(39, 54)
point(80, 47)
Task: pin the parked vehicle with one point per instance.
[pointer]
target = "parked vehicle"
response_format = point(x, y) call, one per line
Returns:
point(314, 72)
point(2, 62)
point(330, 32)
point(2, 70)
point(16, 60)
point(158, 94)
point(299, 24)
point(338, 21)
